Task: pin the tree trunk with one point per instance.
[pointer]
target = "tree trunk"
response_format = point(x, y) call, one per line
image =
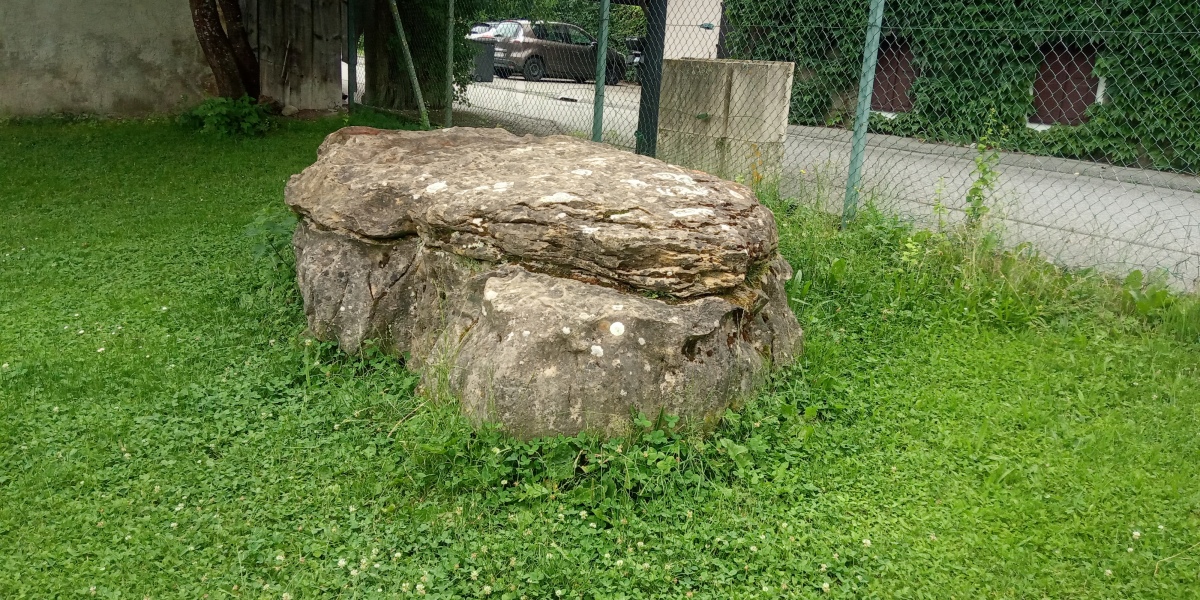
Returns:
point(239, 41)
point(217, 49)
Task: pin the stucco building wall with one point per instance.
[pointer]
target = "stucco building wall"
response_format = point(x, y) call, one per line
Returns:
point(107, 57)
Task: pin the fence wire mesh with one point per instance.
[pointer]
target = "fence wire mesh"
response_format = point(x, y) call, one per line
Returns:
point(1069, 125)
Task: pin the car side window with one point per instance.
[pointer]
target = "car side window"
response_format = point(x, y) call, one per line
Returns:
point(539, 31)
point(507, 30)
point(560, 34)
point(577, 36)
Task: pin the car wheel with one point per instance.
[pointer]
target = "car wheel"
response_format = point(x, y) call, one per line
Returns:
point(535, 69)
point(612, 76)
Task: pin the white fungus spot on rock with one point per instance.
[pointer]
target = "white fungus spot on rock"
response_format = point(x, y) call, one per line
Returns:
point(636, 184)
point(622, 393)
point(618, 307)
point(501, 186)
point(525, 333)
point(691, 212)
point(490, 295)
point(680, 177)
point(566, 331)
point(690, 191)
point(477, 221)
point(641, 341)
point(597, 351)
point(560, 216)
point(435, 187)
point(617, 328)
point(582, 172)
point(558, 198)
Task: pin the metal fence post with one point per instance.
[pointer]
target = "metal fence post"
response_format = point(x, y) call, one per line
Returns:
point(862, 111)
point(408, 65)
point(601, 73)
point(351, 57)
point(449, 120)
point(650, 76)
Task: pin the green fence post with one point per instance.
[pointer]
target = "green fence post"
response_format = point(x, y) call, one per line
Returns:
point(408, 65)
point(862, 110)
point(601, 73)
point(449, 120)
point(650, 76)
point(351, 57)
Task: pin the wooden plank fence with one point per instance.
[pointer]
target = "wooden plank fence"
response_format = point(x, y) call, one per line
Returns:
point(300, 46)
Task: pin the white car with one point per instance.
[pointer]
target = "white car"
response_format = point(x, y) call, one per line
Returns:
point(483, 31)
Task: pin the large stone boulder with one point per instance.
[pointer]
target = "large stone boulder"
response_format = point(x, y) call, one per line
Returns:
point(553, 285)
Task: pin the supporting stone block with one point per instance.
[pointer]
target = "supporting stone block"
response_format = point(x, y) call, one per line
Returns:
point(725, 117)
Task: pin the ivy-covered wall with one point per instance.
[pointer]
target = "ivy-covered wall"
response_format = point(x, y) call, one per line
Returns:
point(976, 62)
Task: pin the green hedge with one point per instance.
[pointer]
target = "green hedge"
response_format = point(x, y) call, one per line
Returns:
point(977, 57)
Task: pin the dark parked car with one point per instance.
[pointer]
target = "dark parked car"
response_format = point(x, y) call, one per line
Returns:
point(542, 49)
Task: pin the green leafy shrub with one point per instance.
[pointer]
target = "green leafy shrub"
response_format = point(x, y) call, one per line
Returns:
point(271, 233)
point(228, 117)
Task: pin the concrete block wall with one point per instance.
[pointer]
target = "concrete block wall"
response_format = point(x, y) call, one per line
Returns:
point(725, 117)
point(685, 38)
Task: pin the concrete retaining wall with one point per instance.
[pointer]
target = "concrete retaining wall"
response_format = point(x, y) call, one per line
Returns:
point(107, 57)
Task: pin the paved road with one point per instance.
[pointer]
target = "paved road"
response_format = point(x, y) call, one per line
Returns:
point(1075, 213)
point(546, 107)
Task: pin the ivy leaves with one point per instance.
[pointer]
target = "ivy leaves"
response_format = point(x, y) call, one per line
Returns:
point(972, 59)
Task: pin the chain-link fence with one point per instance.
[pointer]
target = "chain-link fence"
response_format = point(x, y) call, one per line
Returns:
point(1072, 125)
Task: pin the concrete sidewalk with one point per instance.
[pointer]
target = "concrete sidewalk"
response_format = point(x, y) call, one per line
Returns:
point(1076, 213)
point(550, 107)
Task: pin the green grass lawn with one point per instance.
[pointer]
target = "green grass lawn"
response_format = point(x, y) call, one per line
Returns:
point(954, 430)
